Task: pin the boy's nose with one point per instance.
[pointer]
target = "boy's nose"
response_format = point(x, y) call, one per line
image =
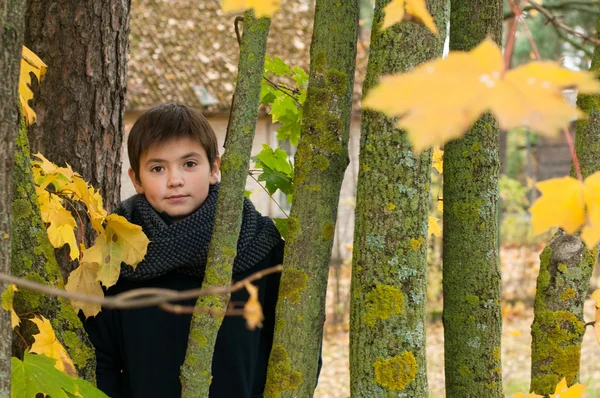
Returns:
point(175, 180)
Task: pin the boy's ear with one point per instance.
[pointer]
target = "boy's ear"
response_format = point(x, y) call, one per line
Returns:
point(134, 181)
point(214, 173)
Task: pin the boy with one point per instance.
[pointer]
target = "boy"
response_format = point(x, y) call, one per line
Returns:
point(174, 160)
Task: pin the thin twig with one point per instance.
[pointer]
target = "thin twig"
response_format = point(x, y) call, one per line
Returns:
point(585, 6)
point(138, 298)
point(554, 21)
point(572, 42)
point(512, 30)
point(271, 196)
point(534, 48)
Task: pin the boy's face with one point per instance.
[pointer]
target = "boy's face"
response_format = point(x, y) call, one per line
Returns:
point(175, 176)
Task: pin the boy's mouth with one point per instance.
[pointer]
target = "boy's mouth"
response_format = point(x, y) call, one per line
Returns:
point(176, 197)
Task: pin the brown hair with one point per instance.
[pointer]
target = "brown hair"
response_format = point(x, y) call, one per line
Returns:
point(164, 122)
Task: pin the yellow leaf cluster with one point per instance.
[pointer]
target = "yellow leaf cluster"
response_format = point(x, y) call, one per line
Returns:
point(570, 204)
point(30, 63)
point(46, 343)
point(439, 100)
point(83, 280)
point(262, 8)
point(7, 304)
point(252, 310)
point(396, 10)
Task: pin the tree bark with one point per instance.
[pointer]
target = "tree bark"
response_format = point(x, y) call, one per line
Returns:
point(320, 161)
point(471, 271)
point(196, 370)
point(12, 13)
point(33, 259)
point(389, 269)
point(565, 269)
point(81, 105)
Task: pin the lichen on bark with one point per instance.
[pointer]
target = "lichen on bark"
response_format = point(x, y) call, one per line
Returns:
point(387, 333)
point(320, 161)
point(471, 269)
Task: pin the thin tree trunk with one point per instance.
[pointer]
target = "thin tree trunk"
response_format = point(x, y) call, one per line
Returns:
point(320, 161)
point(565, 269)
point(33, 259)
point(196, 370)
point(12, 13)
point(81, 105)
point(471, 271)
point(389, 270)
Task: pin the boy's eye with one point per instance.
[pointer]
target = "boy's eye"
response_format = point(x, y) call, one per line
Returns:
point(190, 163)
point(156, 169)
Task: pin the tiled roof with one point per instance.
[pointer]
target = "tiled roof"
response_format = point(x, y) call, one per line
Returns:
point(187, 52)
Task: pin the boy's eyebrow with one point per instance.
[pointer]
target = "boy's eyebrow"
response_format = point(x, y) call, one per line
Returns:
point(186, 156)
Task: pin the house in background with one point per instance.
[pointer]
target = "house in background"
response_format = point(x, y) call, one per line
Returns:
point(187, 52)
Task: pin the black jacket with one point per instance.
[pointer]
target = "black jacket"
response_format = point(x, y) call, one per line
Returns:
point(139, 352)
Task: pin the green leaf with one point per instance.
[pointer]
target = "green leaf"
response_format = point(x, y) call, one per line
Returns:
point(275, 180)
point(277, 66)
point(301, 78)
point(282, 226)
point(275, 159)
point(247, 193)
point(266, 94)
point(283, 106)
point(37, 374)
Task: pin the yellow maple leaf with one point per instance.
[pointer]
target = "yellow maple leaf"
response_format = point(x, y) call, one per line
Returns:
point(531, 395)
point(61, 229)
point(83, 280)
point(7, 304)
point(394, 13)
point(121, 242)
point(46, 343)
point(570, 204)
point(438, 159)
point(92, 199)
point(30, 63)
point(441, 99)
point(262, 8)
point(563, 391)
point(252, 310)
point(434, 227)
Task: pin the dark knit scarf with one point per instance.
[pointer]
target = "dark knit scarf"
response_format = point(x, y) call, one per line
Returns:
point(183, 246)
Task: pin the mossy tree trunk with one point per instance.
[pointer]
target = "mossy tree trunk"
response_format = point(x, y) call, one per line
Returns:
point(389, 269)
point(81, 104)
point(471, 270)
point(12, 20)
point(565, 269)
point(196, 370)
point(33, 259)
point(320, 161)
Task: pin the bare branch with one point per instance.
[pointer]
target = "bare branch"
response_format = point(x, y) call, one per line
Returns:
point(559, 25)
point(138, 298)
point(589, 6)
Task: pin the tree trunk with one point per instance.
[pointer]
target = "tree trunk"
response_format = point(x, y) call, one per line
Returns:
point(565, 269)
point(320, 161)
point(196, 370)
point(33, 259)
point(389, 270)
point(81, 105)
point(12, 20)
point(471, 271)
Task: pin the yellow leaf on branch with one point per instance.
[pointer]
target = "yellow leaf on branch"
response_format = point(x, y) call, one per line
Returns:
point(83, 280)
point(30, 63)
point(434, 227)
point(570, 204)
point(92, 199)
point(439, 100)
point(46, 343)
point(396, 10)
point(563, 391)
point(262, 8)
point(61, 229)
point(121, 242)
point(252, 310)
